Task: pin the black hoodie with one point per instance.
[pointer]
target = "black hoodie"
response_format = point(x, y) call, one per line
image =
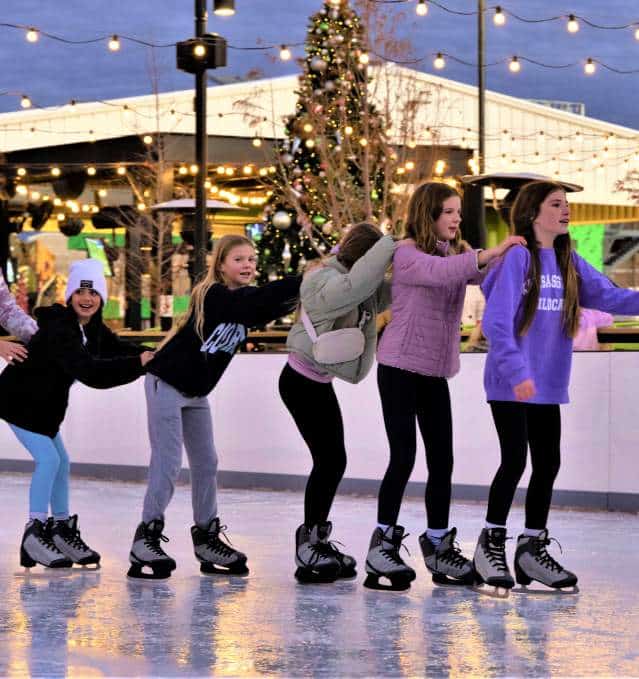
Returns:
point(194, 367)
point(34, 394)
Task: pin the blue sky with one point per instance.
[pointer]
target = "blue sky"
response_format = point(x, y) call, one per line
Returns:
point(52, 73)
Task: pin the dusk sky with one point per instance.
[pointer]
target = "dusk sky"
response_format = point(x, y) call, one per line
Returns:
point(53, 73)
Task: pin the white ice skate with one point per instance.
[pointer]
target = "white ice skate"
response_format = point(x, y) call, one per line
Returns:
point(38, 548)
point(216, 556)
point(147, 553)
point(385, 567)
point(445, 560)
point(315, 558)
point(66, 537)
point(490, 564)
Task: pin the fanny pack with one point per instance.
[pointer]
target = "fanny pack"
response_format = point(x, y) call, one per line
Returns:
point(336, 346)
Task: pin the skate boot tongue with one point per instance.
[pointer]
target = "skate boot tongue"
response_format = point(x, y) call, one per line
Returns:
point(214, 526)
point(72, 522)
point(155, 527)
point(448, 541)
point(394, 534)
point(321, 532)
point(496, 536)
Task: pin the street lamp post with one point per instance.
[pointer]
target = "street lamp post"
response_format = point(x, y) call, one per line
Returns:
point(481, 114)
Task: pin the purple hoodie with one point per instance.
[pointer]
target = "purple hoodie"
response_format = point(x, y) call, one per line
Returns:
point(544, 353)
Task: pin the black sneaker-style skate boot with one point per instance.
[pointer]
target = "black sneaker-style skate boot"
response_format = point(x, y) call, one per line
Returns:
point(445, 560)
point(532, 562)
point(490, 562)
point(147, 553)
point(216, 556)
point(315, 557)
point(38, 547)
point(346, 561)
point(383, 561)
point(66, 537)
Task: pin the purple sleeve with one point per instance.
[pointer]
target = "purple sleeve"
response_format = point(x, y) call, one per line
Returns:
point(503, 288)
point(12, 317)
point(596, 291)
point(413, 267)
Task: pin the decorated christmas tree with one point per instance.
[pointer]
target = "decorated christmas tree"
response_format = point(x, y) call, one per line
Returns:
point(332, 162)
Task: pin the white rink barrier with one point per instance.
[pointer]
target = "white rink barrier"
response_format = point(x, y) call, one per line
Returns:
point(259, 446)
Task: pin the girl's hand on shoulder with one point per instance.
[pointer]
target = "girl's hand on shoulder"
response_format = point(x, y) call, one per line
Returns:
point(525, 390)
point(509, 242)
point(146, 356)
point(11, 351)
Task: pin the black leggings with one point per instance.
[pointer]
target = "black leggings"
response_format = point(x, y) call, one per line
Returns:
point(316, 412)
point(406, 396)
point(519, 425)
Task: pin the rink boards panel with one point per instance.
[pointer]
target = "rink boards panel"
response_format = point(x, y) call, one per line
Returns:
point(259, 446)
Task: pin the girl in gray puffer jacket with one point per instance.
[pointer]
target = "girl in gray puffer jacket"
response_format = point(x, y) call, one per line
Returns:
point(345, 291)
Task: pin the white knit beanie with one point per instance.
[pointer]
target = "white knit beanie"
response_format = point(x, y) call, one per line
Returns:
point(87, 273)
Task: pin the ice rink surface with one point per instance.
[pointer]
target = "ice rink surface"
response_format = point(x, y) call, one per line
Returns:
point(90, 624)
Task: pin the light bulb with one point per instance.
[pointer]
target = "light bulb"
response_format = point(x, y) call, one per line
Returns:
point(637, 34)
point(247, 169)
point(25, 102)
point(194, 169)
point(364, 58)
point(439, 62)
point(33, 35)
point(147, 139)
point(590, 67)
point(91, 171)
point(514, 65)
point(121, 170)
point(573, 24)
point(285, 53)
point(55, 171)
point(199, 50)
point(422, 8)
point(183, 170)
point(348, 130)
point(257, 142)
point(21, 172)
point(114, 43)
point(499, 18)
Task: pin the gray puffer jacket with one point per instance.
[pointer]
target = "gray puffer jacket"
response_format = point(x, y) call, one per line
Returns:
point(335, 298)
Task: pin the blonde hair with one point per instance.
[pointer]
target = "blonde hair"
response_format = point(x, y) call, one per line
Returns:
point(214, 275)
point(424, 209)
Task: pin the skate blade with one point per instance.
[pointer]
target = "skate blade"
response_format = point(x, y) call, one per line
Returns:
point(383, 583)
point(85, 567)
point(543, 590)
point(141, 573)
point(492, 591)
point(446, 581)
point(210, 569)
point(305, 578)
point(44, 573)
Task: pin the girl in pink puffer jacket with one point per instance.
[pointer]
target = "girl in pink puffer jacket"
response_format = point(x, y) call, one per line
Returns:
point(418, 351)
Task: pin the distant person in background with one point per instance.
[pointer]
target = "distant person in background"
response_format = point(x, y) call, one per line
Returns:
point(586, 338)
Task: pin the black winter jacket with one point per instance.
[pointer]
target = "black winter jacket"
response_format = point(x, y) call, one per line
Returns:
point(34, 394)
point(193, 367)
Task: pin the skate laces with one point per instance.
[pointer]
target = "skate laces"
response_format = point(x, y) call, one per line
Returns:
point(152, 542)
point(496, 553)
point(544, 558)
point(45, 537)
point(72, 536)
point(392, 553)
point(452, 556)
point(213, 541)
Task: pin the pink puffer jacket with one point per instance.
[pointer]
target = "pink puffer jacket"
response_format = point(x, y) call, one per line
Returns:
point(427, 299)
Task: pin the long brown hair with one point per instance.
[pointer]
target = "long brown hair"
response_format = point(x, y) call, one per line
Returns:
point(213, 275)
point(424, 209)
point(523, 213)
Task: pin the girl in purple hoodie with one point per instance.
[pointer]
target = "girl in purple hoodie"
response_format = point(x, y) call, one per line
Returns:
point(532, 314)
point(418, 351)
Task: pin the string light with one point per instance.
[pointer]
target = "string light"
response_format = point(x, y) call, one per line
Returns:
point(257, 142)
point(32, 35)
point(439, 62)
point(91, 171)
point(102, 193)
point(514, 65)
point(25, 102)
point(573, 25)
point(308, 127)
point(285, 53)
point(247, 170)
point(22, 190)
point(183, 170)
point(194, 169)
point(121, 170)
point(147, 139)
point(364, 58)
point(590, 67)
point(55, 171)
point(421, 8)
point(440, 166)
point(363, 142)
point(22, 172)
point(499, 18)
point(348, 130)
point(114, 43)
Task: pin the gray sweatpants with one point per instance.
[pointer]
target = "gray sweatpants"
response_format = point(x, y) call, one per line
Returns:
point(173, 418)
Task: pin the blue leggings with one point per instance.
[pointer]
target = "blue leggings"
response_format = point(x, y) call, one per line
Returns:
point(50, 480)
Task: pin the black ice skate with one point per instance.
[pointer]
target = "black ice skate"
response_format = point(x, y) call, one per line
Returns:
point(216, 556)
point(147, 553)
point(445, 560)
point(315, 557)
point(490, 563)
point(66, 537)
point(347, 563)
point(385, 567)
point(532, 562)
point(38, 548)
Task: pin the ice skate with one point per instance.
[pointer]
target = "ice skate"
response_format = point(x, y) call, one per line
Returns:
point(385, 567)
point(216, 556)
point(445, 560)
point(66, 537)
point(147, 553)
point(490, 563)
point(315, 557)
point(532, 562)
point(346, 561)
point(38, 548)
